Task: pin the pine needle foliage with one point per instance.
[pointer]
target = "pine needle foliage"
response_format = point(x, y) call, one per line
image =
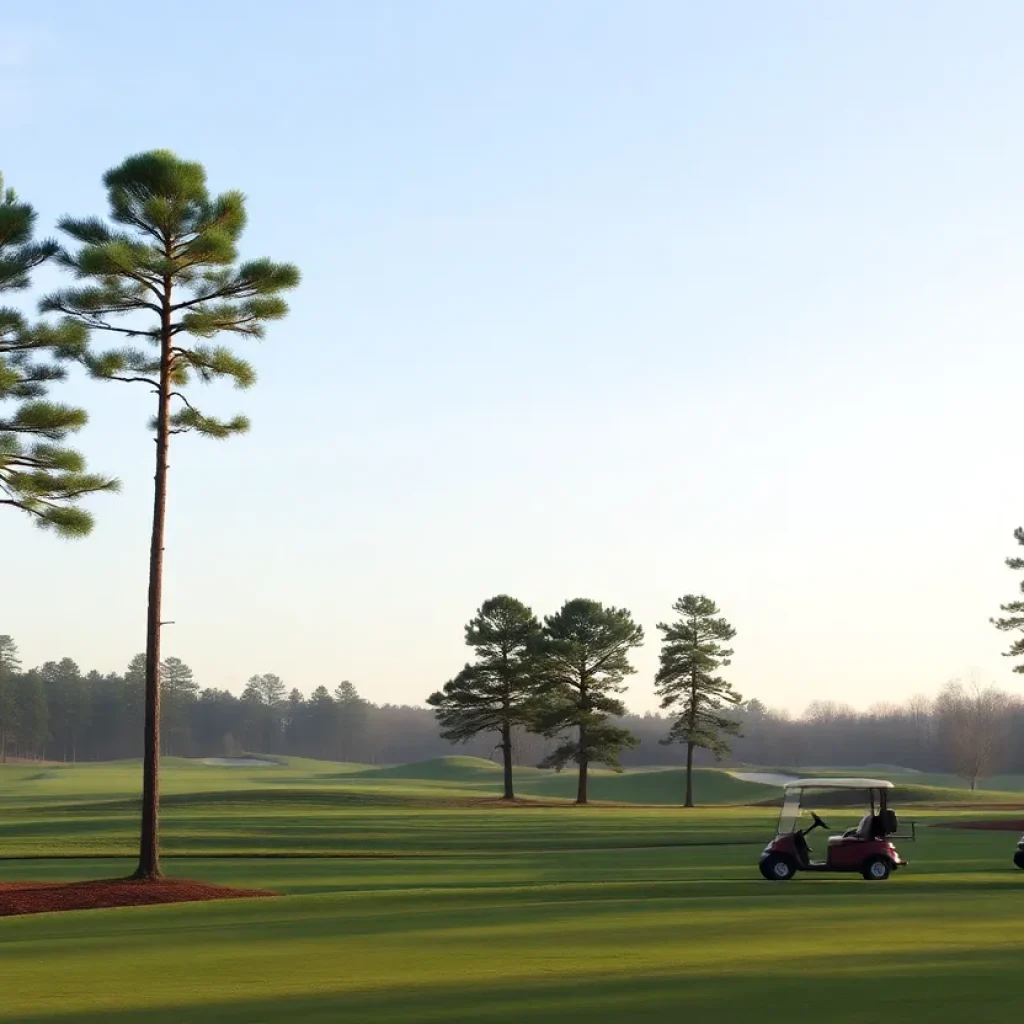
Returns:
point(1013, 620)
point(687, 681)
point(585, 658)
point(163, 270)
point(39, 473)
point(498, 691)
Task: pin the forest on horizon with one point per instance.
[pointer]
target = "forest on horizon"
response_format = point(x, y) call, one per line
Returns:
point(59, 712)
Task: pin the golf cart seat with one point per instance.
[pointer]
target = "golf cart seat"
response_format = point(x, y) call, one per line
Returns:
point(868, 828)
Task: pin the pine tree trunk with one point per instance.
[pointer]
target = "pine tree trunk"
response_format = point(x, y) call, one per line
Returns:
point(149, 843)
point(581, 789)
point(506, 750)
point(689, 775)
point(689, 746)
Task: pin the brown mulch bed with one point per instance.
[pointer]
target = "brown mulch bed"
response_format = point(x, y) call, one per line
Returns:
point(989, 825)
point(45, 897)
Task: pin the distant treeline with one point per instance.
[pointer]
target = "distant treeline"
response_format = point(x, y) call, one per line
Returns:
point(967, 730)
point(58, 712)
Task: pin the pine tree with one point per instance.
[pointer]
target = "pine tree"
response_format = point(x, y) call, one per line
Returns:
point(133, 685)
point(294, 722)
point(178, 691)
point(353, 717)
point(1014, 618)
point(323, 723)
point(585, 655)
point(79, 713)
point(167, 271)
point(498, 691)
point(39, 474)
point(268, 690)
point(33, 714)
point(62, 681)
point(687, 680)
point(264, 699)
point(10, 666)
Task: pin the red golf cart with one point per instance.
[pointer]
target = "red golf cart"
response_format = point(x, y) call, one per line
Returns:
point(866, 849)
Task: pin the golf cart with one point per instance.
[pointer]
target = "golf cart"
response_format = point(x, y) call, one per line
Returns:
point(1018, 857)
point(867, 848)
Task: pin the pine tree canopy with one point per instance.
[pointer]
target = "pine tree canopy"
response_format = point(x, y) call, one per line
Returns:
point(347, 695)
point(177, 679)
point(166, 270)
point(19, 253)
point(268, 690)
point(585, 656)
point(1014, 618)
point(687, 681)
point(498, 689)
point(39, 474)
point(10, 662)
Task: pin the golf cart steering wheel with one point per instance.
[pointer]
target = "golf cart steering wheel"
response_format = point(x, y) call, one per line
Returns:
point(818, 821)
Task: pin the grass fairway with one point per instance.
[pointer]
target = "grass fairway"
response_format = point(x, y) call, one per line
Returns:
point(443, 911)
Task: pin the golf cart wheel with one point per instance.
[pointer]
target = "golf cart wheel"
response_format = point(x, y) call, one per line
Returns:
point(777, 869)
point(1018, 859)
point(877, 869)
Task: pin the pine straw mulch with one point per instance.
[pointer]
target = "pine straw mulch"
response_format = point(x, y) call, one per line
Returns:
point(988, 824)
point(46, 897)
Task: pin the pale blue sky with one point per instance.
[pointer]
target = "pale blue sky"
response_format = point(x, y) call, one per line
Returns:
point(619, 300)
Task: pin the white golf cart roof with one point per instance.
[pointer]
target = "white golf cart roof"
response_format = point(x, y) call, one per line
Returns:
point(839, 784)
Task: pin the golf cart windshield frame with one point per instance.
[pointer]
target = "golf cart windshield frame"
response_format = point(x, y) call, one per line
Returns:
point(789, 818)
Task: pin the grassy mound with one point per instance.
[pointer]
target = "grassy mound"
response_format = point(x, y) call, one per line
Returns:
point(438, 769)
point(656, 786)
point(904, 795)
point(948, 795)
point(662, 786)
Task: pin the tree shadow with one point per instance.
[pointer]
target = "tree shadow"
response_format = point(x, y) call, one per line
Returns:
point(906, 988)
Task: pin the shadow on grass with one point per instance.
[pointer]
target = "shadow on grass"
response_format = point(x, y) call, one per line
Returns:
point(937, 989)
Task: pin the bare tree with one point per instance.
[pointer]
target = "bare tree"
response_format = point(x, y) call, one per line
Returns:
point(976, 720)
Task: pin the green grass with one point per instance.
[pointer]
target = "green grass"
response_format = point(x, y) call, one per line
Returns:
point(442, 909)
point(639, 786)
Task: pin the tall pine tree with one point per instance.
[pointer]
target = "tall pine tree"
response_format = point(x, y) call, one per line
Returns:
point(1013, 620)
point(585, 655)
point(10, 666)
point(324, 718)
point(498, 691)
point(39, 473)
point(33, 715)
point(166, 270)
point(353, 718)
point(63, 684)
point(179, 691)
point(692, 652)
point(266, 711)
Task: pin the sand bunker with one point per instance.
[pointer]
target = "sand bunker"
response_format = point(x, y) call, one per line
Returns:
point(764, 778)
point(238, 762)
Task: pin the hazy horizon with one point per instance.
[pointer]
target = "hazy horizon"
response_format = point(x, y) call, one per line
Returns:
point(622, 303)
